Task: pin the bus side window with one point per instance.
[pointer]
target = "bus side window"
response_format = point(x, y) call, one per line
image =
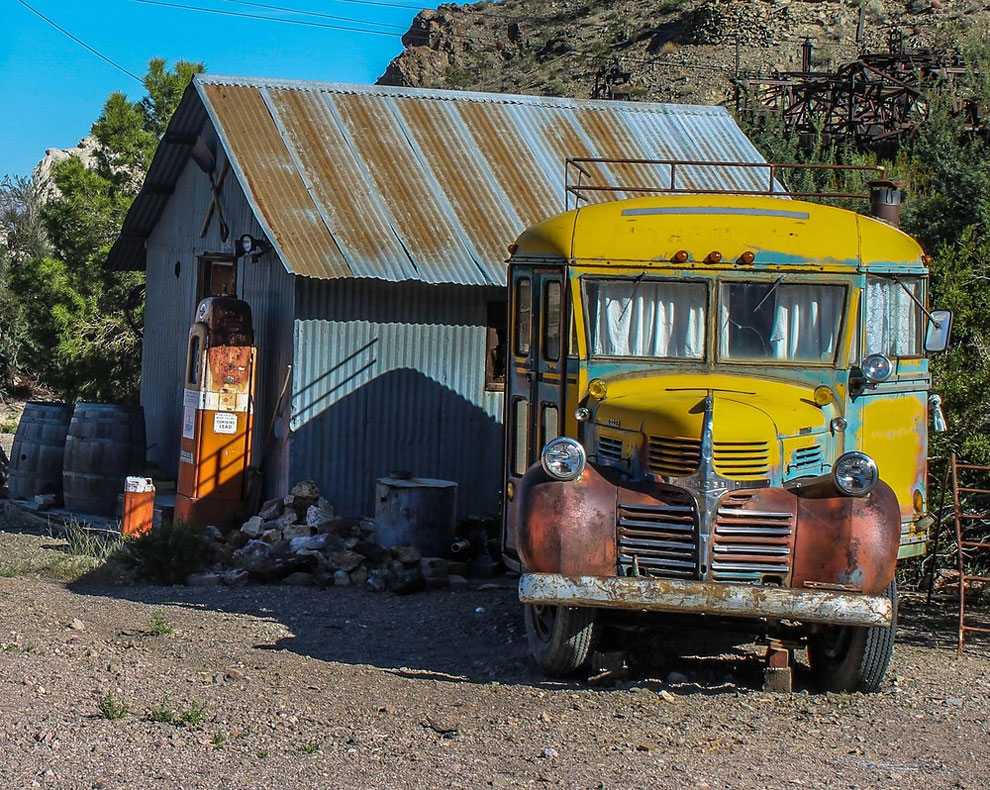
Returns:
point(520, 436)
point(523, 304)
point(550, 423)
point(551, 320)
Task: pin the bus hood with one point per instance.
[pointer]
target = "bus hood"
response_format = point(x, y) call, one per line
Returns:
point(745, 409)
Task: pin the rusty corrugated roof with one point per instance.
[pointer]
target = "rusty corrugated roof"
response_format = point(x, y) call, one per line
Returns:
point(430, 185)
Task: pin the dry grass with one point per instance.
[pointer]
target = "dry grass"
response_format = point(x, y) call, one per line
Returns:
point(72, 556)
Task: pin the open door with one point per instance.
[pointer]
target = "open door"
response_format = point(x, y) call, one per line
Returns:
point(534, 380)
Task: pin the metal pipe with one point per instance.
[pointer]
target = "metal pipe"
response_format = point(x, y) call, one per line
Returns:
point(885, 201)
point(460, 546)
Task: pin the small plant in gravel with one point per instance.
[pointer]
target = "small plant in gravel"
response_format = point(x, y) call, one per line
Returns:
point(194, 715)
point(219, 740)
point(13, 647)
point(109, 707)
point(163, 713)
point(167, 553)
point(158, 625)
point(309, 747)
point(262, 754)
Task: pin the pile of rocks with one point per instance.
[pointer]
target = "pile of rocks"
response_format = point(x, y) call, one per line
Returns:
point(298, 540)
point(720, 22)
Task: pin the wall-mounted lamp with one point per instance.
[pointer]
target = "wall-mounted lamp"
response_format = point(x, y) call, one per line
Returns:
point(249, 245)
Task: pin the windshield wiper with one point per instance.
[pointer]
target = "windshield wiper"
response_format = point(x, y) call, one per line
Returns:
point(773, 288)
point(638, 279)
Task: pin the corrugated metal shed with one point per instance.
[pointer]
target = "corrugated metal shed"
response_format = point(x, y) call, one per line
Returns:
point(409, 184)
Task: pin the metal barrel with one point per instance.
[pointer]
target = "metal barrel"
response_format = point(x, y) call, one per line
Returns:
point(36, 455)
point(105, 444)
point(416, 512)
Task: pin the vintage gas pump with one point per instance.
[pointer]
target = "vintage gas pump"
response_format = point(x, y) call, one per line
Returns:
point(218, 413)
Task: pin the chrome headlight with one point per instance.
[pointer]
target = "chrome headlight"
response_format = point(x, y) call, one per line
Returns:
point(877, 368)
point(855, 474)
point(563, 458)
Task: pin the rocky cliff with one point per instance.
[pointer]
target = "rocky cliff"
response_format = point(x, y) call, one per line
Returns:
point(667, 50)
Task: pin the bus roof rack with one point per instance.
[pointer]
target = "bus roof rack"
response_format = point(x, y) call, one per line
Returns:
point(577, 169)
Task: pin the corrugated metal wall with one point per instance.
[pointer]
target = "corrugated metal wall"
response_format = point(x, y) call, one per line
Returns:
point(171, 306)
point(390, 376)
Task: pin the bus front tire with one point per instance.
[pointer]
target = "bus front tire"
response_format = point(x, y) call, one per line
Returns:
point(560, 638)
point(849, 658)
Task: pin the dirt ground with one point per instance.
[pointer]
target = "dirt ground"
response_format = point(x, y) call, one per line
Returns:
point(293, 687)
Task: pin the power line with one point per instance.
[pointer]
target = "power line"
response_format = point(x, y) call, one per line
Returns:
point(299, 22)
point(81, 43)
point(314, 13)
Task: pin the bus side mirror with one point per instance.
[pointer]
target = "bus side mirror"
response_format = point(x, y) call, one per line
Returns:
point(939, 329)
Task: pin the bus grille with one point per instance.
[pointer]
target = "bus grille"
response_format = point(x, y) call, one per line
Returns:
point(742, 460)
point(609, 449)
point(673, 457)
point(751, 546)
point(806, 460)
point(659, 539)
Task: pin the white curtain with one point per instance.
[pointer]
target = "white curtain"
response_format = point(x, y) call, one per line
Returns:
point(806, 322)
point(892, 317)
point(648, 319)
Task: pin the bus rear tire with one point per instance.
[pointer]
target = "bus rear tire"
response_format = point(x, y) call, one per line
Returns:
point(850, 658)
point(560, 638)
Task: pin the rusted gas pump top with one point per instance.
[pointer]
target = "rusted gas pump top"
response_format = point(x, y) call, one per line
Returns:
point(228, 319)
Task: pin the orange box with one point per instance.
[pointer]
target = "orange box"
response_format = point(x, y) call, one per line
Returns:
point(139, 506)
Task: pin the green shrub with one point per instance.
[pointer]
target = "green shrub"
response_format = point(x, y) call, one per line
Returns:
point(167, 553)
point(158, 625)
point(109, 707)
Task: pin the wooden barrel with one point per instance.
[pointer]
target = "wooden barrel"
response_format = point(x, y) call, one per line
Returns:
point(104, 445)
point(36, 455)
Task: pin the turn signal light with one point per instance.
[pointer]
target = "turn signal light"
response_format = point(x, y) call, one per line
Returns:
point(824, 395)
point(597, 389)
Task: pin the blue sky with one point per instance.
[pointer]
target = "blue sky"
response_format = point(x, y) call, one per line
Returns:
point(52, 89)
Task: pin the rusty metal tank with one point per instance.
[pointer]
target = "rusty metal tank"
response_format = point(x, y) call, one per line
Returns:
point(415, 511)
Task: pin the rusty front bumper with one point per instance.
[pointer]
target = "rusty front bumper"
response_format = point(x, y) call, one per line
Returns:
point(694, 597)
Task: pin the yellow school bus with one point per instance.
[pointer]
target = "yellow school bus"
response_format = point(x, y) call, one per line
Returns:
point(717, 406)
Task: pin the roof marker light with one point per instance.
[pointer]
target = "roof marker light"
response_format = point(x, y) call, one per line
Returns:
point(680, 256)
point(747, 257)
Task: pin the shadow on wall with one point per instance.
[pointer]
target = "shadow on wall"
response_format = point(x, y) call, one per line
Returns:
point(401, 420)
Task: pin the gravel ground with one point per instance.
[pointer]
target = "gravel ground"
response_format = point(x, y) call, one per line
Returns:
point(291, 687)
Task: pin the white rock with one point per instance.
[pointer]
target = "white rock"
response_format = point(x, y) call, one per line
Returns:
point(253, 527)
point(323, 504)
point(317, 515)
point(307, 543)
point(271, 535)
point(296, 531)
point(287, 519)
point(235, 577)
point(341, 579)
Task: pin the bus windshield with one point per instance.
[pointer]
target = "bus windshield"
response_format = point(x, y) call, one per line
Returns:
point(796, 322)
point(757, 321)
point(646, 318)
